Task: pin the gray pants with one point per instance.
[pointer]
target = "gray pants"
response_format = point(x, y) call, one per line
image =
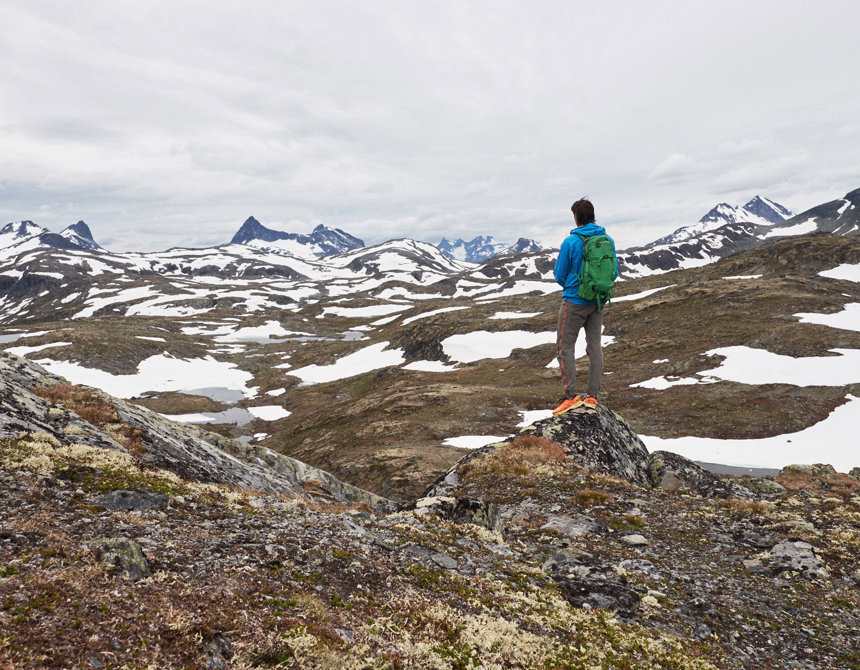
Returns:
point(572, 317)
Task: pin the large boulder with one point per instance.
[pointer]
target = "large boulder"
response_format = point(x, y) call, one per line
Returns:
point(670, 471)
point(600, 441)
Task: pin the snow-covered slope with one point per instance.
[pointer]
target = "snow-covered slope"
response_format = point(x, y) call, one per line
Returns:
point(841, 217)
point(17, 237)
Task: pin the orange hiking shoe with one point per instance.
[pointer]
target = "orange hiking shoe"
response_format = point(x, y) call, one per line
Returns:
point(590, 402)
point(569, 403)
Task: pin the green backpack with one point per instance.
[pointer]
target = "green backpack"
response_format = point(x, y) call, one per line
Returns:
point(598, 269)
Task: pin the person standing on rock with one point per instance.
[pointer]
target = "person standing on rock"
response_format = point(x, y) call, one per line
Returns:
point(586, 269)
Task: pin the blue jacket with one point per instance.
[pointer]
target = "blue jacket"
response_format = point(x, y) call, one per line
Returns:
point(568, 267)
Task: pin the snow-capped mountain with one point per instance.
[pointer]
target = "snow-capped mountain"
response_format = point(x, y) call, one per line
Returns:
point(322, 241)
point(841, 217)
point(80, 236)
point(16, 234)
point(22, 236)
point(483, 247)
point(759, 210)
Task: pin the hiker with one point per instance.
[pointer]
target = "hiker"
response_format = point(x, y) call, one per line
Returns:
point(586, 269)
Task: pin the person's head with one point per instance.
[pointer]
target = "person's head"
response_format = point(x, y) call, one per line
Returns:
point(583, 211)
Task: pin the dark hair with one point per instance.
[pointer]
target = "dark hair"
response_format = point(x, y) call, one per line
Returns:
point(583, 211)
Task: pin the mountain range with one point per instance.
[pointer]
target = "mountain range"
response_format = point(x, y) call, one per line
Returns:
point(484, 247)
point(21, 236)
point(722, 231)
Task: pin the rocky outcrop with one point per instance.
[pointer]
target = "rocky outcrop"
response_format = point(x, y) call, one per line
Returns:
point(459, 510)
point(671, 471)
point(188, 451)
point(600, 441)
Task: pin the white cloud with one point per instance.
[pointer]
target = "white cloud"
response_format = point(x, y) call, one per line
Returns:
point(674, 168)
point(167, 124)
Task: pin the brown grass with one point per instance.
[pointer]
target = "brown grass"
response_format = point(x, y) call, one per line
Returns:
point(593, 496)
point(518, 457)
point(743, 508)
point(94, 409)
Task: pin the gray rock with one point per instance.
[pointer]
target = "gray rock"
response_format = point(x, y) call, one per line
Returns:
point(218, 652)
point(818, 469)
point(132, 499)
point(792, 555)
point(600, 441)
point(459, 510)
point(758, 540)
point(854, 472)
point(670, 471)
point(634, 540)
point(572, 526)
point(124, 555)
point(571, 561)
point(641, 566)
point(602, 588)
point(443, 560)
point(186, 450)
point(764, 487)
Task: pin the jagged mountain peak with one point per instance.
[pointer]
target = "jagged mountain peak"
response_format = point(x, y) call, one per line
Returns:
point(21, 229)
point(767, 209)
point(78, 235)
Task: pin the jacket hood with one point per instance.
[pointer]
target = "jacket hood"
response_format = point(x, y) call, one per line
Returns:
point(589, 229)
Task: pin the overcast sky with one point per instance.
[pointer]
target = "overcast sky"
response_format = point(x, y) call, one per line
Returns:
point(168, 123)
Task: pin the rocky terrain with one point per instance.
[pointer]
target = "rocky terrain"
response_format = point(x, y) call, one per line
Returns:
point(405, 357)
point(274, 459)
point(566, 545)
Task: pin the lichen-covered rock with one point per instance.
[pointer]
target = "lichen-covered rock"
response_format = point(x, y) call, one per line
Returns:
point(573, 526)
point(670, 471)
point(190, 452)
point(602, 588)
point(599, 440)
point(854, 472)
point(764, 487)
point(816, 469)
point(132, 499)
point(124, 555)
point(459, 510)
point(794, 555)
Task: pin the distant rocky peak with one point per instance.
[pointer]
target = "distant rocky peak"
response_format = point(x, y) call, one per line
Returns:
point(322, 241)
point(722, 212)
point(768, 209)
point(82, 229)
point(78, 235)
point(21, 229)
point(484, 247)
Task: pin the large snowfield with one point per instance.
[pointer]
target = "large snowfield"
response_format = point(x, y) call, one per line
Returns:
point(827, 441)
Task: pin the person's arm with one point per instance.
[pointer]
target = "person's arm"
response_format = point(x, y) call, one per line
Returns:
point(562, 265)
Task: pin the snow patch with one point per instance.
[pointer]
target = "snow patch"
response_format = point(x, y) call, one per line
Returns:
point(847, 319)
point(159, 373)
point(823, 442)
point(364, 360)
point(472, 441)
